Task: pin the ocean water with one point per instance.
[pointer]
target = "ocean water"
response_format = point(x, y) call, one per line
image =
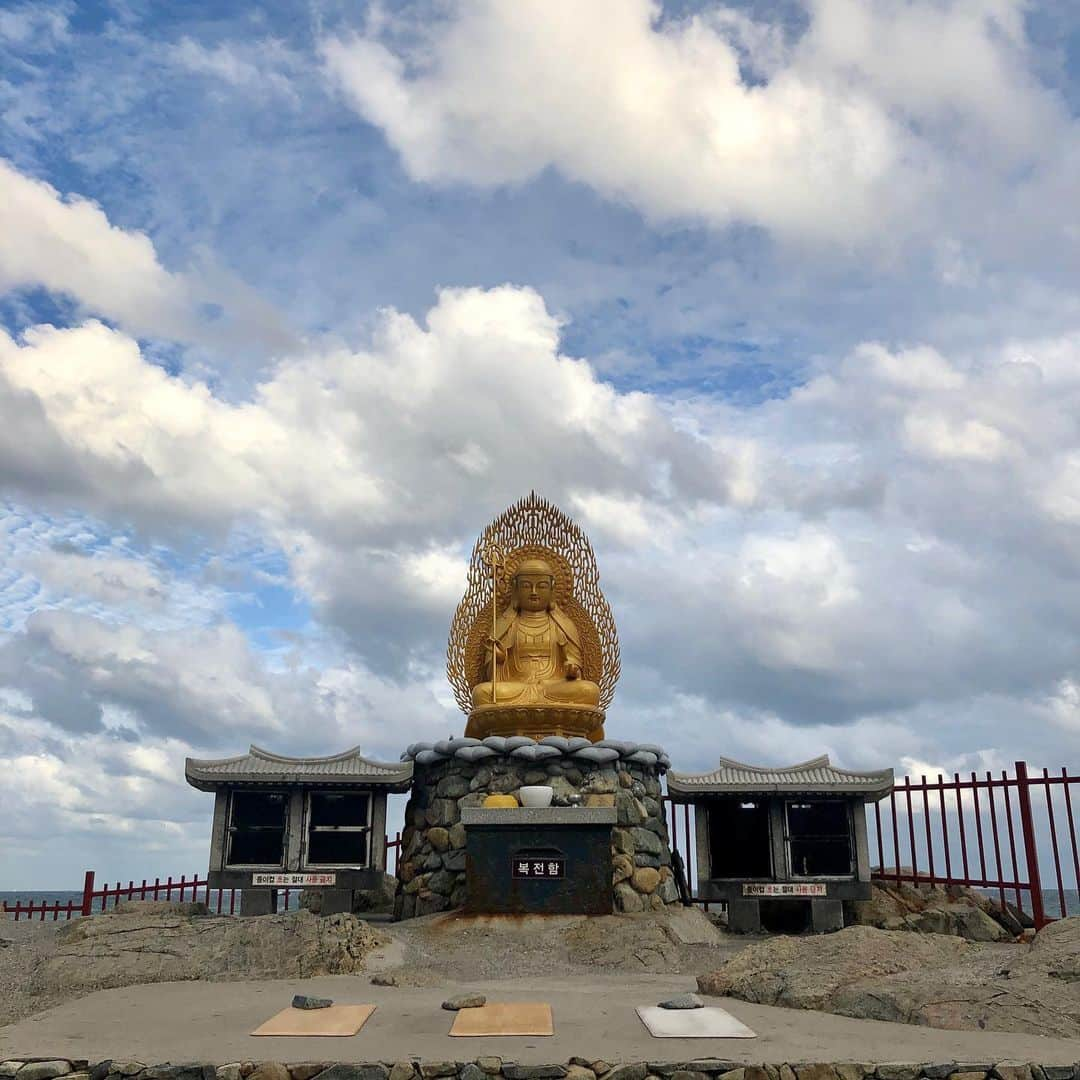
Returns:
point(63, 897)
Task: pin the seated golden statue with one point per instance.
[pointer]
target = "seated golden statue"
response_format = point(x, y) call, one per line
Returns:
point(536, 647)
point(533, 648)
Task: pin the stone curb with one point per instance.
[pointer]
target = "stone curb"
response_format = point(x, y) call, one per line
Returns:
point(577, 1068)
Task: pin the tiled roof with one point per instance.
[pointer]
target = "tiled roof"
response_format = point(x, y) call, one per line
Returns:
point(817, 775)
point(259, 766)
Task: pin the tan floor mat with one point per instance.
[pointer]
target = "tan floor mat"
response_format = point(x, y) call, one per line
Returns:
point(335, 1020)
point(505, 1018)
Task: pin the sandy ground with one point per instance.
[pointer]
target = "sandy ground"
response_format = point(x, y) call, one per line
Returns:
point(594, 1018)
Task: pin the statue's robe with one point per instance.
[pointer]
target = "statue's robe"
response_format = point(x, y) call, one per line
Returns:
point(534, 671)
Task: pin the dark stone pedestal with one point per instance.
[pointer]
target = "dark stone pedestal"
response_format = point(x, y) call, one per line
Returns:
point(256, 901)
point(538, 861)
point(826, 915)
point(744, 916)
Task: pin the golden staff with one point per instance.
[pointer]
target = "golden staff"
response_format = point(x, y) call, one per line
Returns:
point(493, 556)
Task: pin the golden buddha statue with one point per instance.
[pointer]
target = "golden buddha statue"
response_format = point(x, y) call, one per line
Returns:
point(537, 649)
point(533, 648)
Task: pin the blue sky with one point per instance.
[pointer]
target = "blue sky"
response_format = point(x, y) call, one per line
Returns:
point(778, 300)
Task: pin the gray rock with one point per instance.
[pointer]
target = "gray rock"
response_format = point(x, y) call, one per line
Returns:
point(442, 883)
point(382, 978)
point(683, 1001)
point(937, 1071)
point(668, 891)
point(344, 1071)
point(443, 812)
point(535, 1072)
point(490, 1064)
point(535, 753)
point(433, 861)
point(431, 903)
point(560, 743)
point(634, 1071)
point(895, 1072)
point(44, 1070)
point(303, 1001)
point(646, 841)
point(429, 1070)
point(304, 1070)
point(126, 1068)
point(629, 810)
point(269, 1070)
point(454, 860)
point(1059, 1072)
point(626, 898)
point(464, 1001)
point(472, 1072)
point(643, 858)
point(402, 1070)
point(474, 753)
point(452, 787)
point(10, 1068)
point(597, 754)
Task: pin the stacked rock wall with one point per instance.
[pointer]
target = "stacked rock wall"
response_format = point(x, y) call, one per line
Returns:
point(457, 773)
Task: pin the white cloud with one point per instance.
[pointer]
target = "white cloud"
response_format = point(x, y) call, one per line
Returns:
point(838, 139)
point(70, 247)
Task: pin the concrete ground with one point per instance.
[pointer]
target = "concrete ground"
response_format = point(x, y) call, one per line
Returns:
point(594, 1018)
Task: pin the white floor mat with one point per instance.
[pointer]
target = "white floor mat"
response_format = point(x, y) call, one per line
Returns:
point(710, 1022)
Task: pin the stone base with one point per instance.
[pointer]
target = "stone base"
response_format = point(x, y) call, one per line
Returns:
point(258, 901)
point(455, 774)
point(826, 916)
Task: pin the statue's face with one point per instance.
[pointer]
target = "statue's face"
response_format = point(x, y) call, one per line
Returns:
point(533, 592)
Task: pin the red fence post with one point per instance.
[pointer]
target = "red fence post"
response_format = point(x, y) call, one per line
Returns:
point(1027, 827)
point(88, 892)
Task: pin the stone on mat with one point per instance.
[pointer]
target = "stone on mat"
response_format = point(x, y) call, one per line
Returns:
point(682, 1001)
point(303, 1001)
point(464, 1001)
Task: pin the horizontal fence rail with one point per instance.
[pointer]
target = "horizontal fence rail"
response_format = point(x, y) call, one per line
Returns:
point(94, 900)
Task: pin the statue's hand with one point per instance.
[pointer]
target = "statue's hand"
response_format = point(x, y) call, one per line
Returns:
point(497, 650)
point(573, 671)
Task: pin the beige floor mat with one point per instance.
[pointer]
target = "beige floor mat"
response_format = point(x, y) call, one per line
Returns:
point(335, 1020)
point(505, 1018)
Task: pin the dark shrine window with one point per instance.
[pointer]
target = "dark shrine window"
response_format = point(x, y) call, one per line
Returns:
point(339, 828)
point(819, 837)
point(739, 844)
point(257, 828)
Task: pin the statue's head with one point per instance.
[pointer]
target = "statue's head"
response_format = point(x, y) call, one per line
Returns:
point(534, 585)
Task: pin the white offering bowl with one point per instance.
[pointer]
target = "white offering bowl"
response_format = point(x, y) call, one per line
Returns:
point(535, 795)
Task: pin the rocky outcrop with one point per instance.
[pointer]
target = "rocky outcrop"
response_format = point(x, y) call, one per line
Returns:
point(931, 979)
point(955, 910)
point(150, 946)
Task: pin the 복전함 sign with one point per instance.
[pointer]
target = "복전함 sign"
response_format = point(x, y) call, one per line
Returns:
point(777, 889)
point(551, 867)
point(294, 879)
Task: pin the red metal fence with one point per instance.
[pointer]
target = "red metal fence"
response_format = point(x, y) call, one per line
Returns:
point(995, 833)
point(1002, 834)
point(96, 900)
